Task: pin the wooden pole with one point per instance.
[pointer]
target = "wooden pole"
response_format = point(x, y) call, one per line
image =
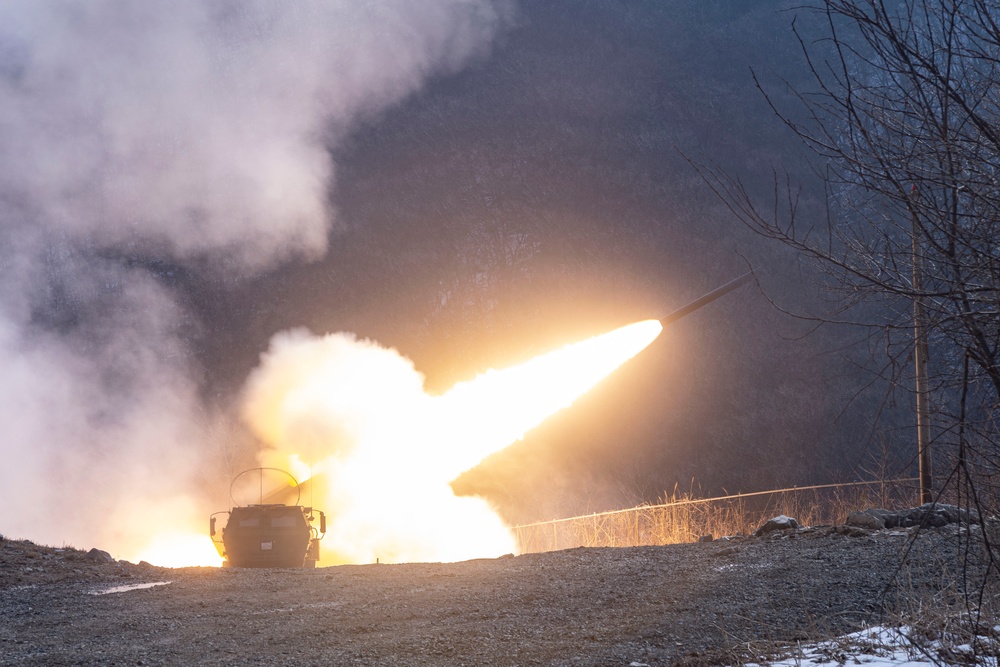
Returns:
point(920, 360)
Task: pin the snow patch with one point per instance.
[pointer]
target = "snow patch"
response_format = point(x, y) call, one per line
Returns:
point(881, 646)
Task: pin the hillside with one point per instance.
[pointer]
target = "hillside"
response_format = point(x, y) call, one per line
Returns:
point(692, 604)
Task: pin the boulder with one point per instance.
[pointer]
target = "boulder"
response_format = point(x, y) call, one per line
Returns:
point(98, 556)
point(873, 519)
point(777, 523)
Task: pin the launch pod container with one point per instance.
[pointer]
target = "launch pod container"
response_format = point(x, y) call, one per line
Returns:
point(269, 534)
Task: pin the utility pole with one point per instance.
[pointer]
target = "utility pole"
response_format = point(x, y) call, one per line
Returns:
point(920, 358)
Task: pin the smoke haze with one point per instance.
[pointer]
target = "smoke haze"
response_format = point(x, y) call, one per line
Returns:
point(195, 133)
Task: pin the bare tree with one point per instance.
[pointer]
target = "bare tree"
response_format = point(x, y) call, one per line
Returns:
point(905, 121)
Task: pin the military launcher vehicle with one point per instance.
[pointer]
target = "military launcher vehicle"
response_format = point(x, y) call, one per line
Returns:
point(269, 534)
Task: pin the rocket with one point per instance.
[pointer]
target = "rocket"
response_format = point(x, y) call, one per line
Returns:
point(707, 299)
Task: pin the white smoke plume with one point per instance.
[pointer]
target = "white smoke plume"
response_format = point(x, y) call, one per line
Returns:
point(191, 130)
point(358, 414)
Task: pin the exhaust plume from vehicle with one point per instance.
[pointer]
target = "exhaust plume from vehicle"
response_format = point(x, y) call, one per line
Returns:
point(140, 139)
point(357, 413)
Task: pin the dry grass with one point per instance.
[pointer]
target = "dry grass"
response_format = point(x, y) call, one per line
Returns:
point(680, 518)
point(955, 621)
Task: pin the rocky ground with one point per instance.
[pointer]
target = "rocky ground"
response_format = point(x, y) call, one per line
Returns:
point(708, 603)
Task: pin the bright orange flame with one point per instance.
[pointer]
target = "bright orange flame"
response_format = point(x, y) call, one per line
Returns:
point(485, 415)
point(168, 531)
point(387, 451)
point(179, 549)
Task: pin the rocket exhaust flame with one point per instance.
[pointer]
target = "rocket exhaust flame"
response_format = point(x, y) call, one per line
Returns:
point(384, 451)
point(485, 415)
point(378, 453)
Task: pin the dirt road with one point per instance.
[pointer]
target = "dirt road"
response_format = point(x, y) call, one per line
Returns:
point(704, 603)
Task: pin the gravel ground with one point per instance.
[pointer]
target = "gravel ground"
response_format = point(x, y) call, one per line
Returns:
point(692, 604)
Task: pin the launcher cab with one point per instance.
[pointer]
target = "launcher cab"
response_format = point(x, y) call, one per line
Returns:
point(269, 534)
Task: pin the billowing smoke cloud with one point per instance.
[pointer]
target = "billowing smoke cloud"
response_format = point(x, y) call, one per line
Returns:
point(358, 414)
point(189, 130)
point(201, 125)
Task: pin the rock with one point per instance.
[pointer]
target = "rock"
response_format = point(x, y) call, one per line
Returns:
point(937, 515)
point(929, 515)
point(864, 520)
point(777, 523)
point(935, 519)
point(99, 556)
point(873, 519)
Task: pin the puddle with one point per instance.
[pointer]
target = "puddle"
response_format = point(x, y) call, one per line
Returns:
point(128, 587)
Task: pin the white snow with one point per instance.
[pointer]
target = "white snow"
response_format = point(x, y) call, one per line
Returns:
point(880, 646)
point(129, 587)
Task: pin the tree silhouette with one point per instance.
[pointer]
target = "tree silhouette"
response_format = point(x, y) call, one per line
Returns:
point(904, 119)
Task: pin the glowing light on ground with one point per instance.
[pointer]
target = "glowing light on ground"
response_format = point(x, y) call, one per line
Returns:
point(168, 531)
point(176, 549)
point(382, 452)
